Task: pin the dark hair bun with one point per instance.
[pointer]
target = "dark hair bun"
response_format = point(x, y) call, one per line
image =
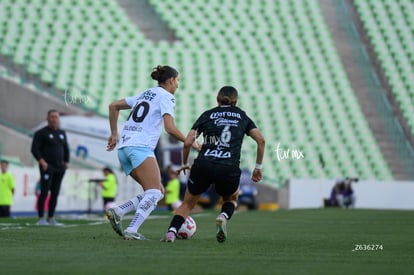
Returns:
point(163, 73)
point(156, 72)
point(226, 100)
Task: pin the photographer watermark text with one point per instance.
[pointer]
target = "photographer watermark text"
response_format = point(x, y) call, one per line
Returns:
point(288, 153)
point(76, 98)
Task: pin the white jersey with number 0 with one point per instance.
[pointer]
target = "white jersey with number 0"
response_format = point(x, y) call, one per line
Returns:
point(145, 122)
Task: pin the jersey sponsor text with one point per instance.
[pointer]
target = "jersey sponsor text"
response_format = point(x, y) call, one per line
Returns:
point(217, 154)
point(147, 95)
point(224, 114)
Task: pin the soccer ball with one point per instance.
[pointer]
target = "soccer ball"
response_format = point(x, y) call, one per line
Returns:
point(188, 229)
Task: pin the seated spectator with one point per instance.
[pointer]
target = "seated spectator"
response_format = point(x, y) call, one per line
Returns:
point(342, 194)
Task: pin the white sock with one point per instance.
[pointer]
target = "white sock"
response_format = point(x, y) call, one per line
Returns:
point(129, 206)
point(145, 207)
point(224, 215)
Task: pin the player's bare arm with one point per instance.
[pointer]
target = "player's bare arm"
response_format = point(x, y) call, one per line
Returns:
point(114, 109)
point(171, 129)
point(257, 136)
point(188, 143)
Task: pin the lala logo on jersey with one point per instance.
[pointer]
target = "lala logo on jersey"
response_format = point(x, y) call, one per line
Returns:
point(217, 154)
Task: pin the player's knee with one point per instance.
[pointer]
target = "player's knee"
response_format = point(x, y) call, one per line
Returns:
point(155, 193)
point(162, 189)
point(232, 198)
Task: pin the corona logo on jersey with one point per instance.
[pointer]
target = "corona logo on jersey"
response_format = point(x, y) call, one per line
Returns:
point(223, 114)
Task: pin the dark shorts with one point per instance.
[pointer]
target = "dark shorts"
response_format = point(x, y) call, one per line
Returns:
point(226, 178)
point(106, 201)
point(4, 210)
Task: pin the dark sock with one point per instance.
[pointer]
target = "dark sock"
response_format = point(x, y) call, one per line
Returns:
point(228, 209)
point(176, 223)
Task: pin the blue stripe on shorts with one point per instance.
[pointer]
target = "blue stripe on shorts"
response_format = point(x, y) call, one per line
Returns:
point(131, 157)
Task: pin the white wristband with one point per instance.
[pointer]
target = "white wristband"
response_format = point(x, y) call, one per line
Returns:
point(258, 166)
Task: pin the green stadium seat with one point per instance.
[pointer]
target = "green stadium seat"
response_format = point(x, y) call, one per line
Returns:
point(283, 63)
point(388, 26)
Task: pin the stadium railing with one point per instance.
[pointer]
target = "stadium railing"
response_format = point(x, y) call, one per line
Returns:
point(388, 28)
point(390, 121)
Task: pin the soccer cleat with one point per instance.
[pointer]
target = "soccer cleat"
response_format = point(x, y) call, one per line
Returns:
point(54, 222)
point(115, 221)
point(169, 237)
point(42, 222)
point(221, 234)
point(134, 236)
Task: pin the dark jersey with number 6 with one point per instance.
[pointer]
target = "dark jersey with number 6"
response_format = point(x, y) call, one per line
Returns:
point(223, 129)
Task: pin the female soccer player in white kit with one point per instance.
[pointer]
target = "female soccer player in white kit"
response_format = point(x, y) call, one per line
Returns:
point(150, 111)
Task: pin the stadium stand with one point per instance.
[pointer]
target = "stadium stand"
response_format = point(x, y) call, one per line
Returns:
point(284, 63)
point(390, 25)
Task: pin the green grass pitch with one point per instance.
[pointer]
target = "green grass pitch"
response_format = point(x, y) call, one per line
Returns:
point(323, 241)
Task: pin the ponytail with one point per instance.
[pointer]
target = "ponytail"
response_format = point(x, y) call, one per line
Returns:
point(163, 73)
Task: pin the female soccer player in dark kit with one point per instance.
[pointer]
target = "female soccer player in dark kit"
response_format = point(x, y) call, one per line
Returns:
point(223, 129)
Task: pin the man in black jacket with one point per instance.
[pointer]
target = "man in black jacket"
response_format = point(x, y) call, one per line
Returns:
point(50, 149)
